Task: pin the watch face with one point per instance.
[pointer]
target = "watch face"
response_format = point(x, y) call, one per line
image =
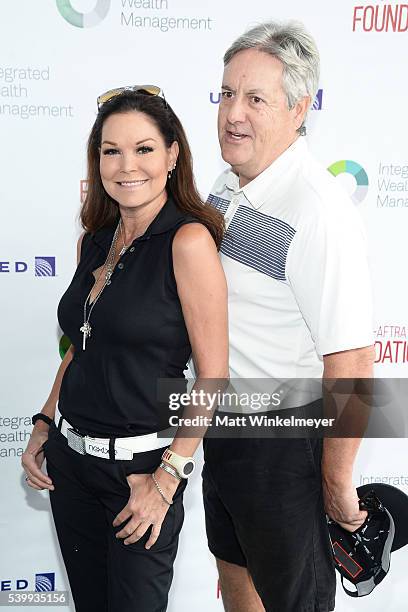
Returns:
point(188, 468)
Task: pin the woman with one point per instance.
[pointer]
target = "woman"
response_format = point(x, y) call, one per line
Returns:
point(148, 290)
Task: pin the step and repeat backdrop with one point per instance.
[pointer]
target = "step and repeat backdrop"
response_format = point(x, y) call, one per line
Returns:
point(56, 57)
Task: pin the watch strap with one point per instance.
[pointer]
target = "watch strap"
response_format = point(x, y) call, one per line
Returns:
point(178, 462)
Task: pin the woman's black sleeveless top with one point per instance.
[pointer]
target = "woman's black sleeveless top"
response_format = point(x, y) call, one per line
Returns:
point(138, 333)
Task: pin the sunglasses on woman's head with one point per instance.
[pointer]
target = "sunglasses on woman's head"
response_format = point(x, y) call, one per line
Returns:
point(149, 90)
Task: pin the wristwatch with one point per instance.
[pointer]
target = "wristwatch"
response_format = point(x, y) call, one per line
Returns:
point(183, 465)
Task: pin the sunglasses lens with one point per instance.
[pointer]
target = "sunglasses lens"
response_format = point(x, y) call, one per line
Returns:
point(153, 90)
point(108, 95)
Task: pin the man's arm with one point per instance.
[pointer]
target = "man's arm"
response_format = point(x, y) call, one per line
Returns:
point(340, 496)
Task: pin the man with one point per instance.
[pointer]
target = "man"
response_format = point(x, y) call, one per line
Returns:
point(299, 307)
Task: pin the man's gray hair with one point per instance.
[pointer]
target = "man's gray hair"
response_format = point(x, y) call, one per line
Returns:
point(290, 43)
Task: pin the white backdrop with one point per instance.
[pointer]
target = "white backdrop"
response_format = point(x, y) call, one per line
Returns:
point(51, 71)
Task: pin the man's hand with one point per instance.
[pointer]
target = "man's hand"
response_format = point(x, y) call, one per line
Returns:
point(145, 507)
point(341, 505)
point(340, 495)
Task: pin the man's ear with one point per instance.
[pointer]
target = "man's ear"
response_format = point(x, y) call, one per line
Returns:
point(300, 110)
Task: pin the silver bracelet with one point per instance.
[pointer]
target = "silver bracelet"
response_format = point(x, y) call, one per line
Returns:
point(170, 470)
point(169, 503)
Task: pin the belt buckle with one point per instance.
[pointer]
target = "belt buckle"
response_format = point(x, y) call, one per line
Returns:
point(76, 441)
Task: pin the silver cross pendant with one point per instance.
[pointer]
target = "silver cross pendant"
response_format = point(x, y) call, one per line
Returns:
point(86, 330)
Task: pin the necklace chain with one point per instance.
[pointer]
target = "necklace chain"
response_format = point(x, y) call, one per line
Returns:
point(86, 328)
point(108, 268)
point(125, 246)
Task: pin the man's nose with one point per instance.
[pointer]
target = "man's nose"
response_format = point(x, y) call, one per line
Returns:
point(236, 110)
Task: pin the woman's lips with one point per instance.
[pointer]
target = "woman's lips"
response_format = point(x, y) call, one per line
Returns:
point(131, 184)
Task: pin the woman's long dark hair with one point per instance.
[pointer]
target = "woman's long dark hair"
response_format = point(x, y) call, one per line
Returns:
point(100, 210)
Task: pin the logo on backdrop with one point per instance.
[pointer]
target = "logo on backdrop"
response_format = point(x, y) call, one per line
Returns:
point(24, 93)
point(83, 20)
point(347, 166)
point(43, 266)
point(391, 346)
point(380, 18)
point(392, 185)
point(215, 98)
point(395, 480)
point(45, 582)
point(135, 14)
point(42, 582)
point(318, 101)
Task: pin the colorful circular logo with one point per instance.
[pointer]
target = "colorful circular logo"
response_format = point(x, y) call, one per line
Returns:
point(83, 20)
point(360, 175)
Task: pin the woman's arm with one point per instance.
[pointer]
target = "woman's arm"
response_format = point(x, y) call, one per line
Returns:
point(202, 291)
point(33, 456)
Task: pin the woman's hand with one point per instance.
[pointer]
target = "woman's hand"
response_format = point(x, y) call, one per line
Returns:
point(33, 457)
point(146, 507)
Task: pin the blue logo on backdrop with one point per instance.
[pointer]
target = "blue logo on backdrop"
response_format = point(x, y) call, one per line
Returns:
point(215, 98)
point(318, 101)
point(45, 266)
point(42, 582)
point(45, 582)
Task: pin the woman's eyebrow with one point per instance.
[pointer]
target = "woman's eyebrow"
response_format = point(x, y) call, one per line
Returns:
point(115, 144)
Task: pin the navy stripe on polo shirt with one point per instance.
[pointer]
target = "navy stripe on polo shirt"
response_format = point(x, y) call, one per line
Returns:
point(256, 240)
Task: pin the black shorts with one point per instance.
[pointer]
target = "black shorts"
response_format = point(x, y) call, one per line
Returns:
point(264, 511)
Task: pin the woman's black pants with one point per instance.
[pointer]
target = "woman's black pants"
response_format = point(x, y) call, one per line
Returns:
point(106, 575)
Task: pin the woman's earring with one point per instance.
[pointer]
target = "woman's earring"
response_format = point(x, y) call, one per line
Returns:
point(170, 172)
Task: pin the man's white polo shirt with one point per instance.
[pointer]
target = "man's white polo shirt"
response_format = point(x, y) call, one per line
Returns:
point(295, 259)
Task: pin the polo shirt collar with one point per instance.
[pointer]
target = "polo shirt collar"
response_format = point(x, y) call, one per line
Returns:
point(168, 217)
point(258, 191)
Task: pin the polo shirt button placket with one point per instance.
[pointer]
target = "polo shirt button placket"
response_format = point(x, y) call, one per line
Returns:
point(121, 266)
point(131, 249)
point(231, 210)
